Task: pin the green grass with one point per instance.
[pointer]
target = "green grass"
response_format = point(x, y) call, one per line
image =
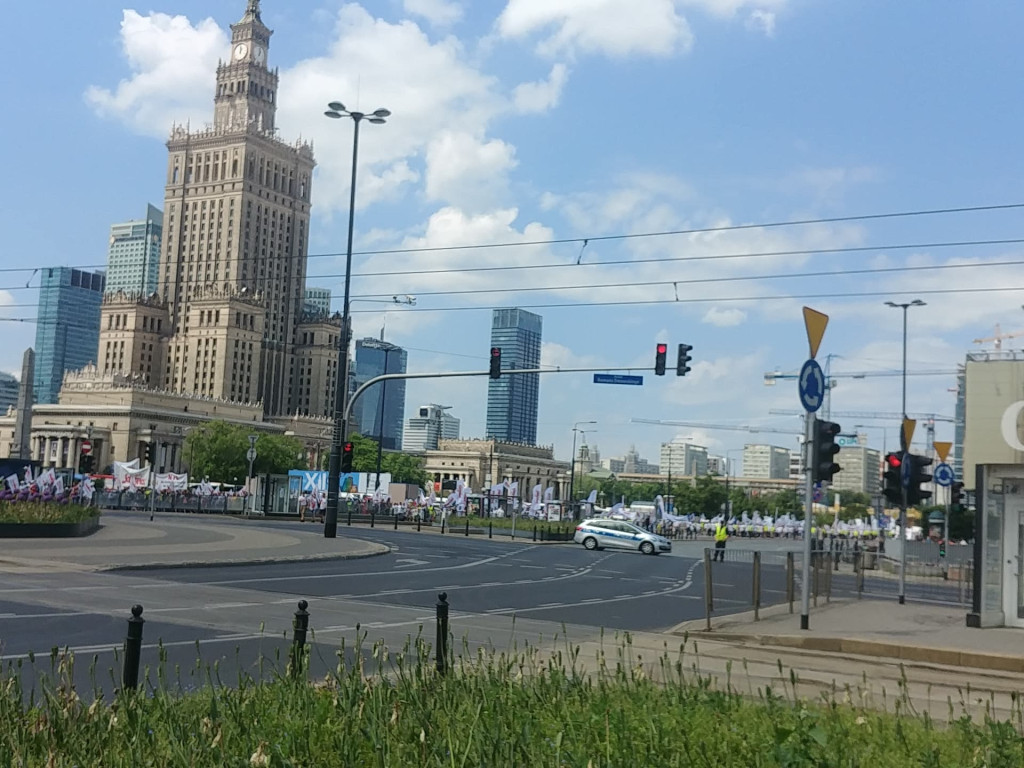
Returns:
point(504, 709)
point(45, 512)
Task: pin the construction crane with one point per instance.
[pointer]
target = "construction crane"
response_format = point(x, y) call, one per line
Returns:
point(929, 419)
point(997, 337)
point(729, 427)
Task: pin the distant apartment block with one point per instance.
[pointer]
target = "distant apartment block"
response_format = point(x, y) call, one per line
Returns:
point(67, 326)
point(133, 259)
point(768, 462)
point(431, 424)
point(318, 301)
point(683, 459)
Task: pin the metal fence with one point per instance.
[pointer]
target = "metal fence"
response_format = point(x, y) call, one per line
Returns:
point(737, 580)
point(170, 502)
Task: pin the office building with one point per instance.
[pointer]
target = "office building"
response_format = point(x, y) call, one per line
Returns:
point(861, 470)
point(380, 410)
point(431, 424)
point(768, 462)
point(133, 259)
point(718, 465)
point(318, 301)
point(9, 388)
point(512, 400)
point(67, 327)
point(632, 463)
point(682, 459)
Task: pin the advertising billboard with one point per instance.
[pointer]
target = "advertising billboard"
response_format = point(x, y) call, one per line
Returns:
point(993, 414)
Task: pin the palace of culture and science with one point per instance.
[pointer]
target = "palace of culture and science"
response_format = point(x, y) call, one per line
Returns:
point(227, 335)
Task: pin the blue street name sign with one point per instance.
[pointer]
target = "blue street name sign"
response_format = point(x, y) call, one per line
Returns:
point(614, 378)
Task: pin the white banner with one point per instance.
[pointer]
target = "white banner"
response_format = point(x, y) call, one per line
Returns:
point(128, 475)
point(171, 482)
point(12, 483)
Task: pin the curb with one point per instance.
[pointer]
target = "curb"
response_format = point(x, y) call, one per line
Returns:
point(377, 551)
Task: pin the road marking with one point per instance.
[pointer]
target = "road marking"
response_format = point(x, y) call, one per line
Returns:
point(409, 562)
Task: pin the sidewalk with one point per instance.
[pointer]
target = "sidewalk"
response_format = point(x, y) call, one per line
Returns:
point(914, 632)
point(130, 540)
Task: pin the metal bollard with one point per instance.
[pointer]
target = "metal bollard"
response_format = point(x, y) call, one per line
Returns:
point(444, 519)
point(708, 602)
point(396, 521)
point(467, 524)
point(419, 521)
point(373, 515)
point(534, 532)
point(858, 564)
point(133, 649)
point(757, 586)
point(490, 530)
point(828, 581)
point(790, 590)
point(441, 651)
point(300, 624)
point(348, 506)
point(816, 571)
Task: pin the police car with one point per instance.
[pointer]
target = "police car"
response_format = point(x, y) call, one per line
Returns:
point(601, 533)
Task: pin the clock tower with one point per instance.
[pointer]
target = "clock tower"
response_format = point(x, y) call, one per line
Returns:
point(246, 88)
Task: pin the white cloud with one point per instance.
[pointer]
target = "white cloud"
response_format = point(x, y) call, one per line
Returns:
point(612, 27)
point(466, 171)
point(729, 8)
point(542, 95)
point(440, 13)
point(724, 318)
point(762, 21)
point(171, 62)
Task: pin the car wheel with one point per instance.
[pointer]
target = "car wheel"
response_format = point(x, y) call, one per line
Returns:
point(647, 548)
point(590, 543)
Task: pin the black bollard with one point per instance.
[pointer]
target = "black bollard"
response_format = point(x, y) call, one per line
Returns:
point(372, 515)
point(133, 649)
point(348, 506)
point(419, 521)
point(467, 525)
point(300, 624)
point(441, 651)
point(490, 530)
point(396, 521)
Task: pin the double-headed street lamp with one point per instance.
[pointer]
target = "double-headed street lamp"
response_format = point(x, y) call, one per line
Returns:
point(336, 110)
point(572, 465)
point(905, 447)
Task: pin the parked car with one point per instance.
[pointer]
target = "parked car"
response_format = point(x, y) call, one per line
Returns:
point(602, 532)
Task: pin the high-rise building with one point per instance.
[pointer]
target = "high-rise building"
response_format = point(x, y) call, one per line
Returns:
point(9, 388)
point(229, 319)
point(680, 458)
point(512, 400)
point(67, 326)
point(861, 470)
point(380, 410)
point(133, 260)
point(431, 424)
point(318, 301)
point(765, 461)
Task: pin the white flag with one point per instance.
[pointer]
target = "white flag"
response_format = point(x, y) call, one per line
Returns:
point(535, 504)
point(12, 483)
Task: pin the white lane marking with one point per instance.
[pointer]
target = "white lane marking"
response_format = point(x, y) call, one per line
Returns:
point(409, 562)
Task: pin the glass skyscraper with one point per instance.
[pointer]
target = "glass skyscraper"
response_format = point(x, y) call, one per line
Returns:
point(380, 411)
point(512, 400)
point(134, 257)
point(67, 326)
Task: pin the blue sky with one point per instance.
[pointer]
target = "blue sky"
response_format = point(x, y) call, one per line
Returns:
point(552, 120)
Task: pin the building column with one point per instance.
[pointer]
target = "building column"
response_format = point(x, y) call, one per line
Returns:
point(74, 452)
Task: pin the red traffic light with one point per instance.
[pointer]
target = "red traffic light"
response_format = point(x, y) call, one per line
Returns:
point(662, 349)
point(894, 460)
point(347, 448)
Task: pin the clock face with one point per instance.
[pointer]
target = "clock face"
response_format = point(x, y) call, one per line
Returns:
point(259, 54)
point(240, 50)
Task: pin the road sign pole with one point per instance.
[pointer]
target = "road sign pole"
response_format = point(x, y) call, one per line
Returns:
point(805, 595)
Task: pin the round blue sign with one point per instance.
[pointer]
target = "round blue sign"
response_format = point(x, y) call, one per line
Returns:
point(943, 475)
point(812, 386)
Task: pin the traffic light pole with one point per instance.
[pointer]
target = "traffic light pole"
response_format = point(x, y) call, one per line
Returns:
point(805, 593)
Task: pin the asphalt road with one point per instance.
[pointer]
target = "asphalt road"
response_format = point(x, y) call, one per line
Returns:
point(236, 620)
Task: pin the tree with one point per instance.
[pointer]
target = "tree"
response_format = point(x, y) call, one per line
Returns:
point(217, 452)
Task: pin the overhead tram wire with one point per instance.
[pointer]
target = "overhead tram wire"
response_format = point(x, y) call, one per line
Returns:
point(634, 235)
point(702, 300)
point(709, 257)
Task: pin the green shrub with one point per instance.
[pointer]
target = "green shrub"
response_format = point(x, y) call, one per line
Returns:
point(45, 512)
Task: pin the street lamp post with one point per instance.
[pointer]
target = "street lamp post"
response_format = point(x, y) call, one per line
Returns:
point(572, 465)
point(905, 447)
point(336, 110)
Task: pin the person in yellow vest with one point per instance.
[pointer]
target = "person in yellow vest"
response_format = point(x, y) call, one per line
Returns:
point(721, 534)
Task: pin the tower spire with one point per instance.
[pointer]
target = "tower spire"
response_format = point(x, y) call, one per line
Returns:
point(252, 12)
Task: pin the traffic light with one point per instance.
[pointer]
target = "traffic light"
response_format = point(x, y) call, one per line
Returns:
point(151, 454)
point(942, 545)
point(892, 479)
point(495, 362)
point(956, 495)
point(823, 451)
point(682, 367)
point(918, 476)
point(346, 457)
point(660, 352)
point(86, 464)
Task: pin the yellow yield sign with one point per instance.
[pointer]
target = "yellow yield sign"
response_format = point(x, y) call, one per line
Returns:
point(815, 323)
point(907, 433)
point(942, 450)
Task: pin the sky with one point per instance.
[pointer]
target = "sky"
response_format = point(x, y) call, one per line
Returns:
point(628, 169)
